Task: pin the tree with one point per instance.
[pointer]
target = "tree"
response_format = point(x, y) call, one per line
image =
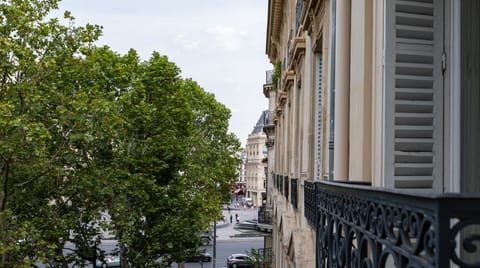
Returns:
point(211, 159)
point(151, 151)
point(39, 118)
point(91, 140)
point(176, 149)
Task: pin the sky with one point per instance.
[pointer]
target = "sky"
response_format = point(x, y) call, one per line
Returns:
point(218, 43)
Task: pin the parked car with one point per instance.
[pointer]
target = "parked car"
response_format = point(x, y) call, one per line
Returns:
point(109, 261)
point(201, 257)
point(238, 260)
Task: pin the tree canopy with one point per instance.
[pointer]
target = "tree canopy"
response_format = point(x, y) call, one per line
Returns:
point(94, 143)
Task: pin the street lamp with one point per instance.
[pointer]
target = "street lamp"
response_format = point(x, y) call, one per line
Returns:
point(214, 259)
point(214, 243)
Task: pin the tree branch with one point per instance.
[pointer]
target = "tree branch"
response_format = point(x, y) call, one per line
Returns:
point(3, 204)
point(34, 178)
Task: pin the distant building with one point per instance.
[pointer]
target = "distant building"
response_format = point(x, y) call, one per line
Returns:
point(242, 175)
point(239, 188)
point(256, 162)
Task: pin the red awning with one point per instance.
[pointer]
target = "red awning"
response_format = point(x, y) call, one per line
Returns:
point(239, 192)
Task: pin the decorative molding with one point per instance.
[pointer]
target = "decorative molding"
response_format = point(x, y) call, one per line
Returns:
point(275, 118)
point(297, 50)
point(270, 142)
point(274, 24)
point(309, 14)
point(289, 77)
point(282, 97)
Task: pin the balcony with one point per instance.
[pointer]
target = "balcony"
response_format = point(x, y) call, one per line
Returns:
point(268, 77)
point(360, 226)
point(310, 202)
point(294, 193)
point(266, 256)
point(264, 220)
point(285, 187)
point(268, 86)
point(279, 183)
point(265, 215)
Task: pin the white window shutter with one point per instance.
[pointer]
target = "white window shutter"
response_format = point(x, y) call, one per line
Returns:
point(414, 94)
point(318, 115)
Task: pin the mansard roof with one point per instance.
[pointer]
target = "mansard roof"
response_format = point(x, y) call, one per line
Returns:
point(264, 119)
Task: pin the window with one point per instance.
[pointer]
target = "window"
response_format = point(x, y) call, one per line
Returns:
point(414, 94)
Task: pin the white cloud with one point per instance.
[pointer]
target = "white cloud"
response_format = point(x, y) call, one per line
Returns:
point(228, 38)
point(186, 42)
point(229, 81)
point(218, 43)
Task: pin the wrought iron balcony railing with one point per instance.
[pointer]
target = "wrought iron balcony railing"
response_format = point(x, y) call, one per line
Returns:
point(265, 215)
point(310, 202)
point(285, 187)
point(281, 182)
point(279, 185)
point(294, 193)
point(358, 226)
point(266, 256)
point(268, 76)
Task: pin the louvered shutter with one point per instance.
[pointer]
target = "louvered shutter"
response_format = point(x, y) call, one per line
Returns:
point(414, 94)
point(318, 115)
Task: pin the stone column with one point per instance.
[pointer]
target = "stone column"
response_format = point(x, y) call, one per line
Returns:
point(342, 89)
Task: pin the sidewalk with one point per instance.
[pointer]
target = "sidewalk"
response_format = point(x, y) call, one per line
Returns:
point(226, 231)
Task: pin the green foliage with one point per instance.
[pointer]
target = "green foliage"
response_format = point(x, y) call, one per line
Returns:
point(93, 141)
point(276, 74)
point(255, 258)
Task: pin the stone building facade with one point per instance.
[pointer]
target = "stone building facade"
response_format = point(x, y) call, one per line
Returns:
point(374, 110)
point(256, 163)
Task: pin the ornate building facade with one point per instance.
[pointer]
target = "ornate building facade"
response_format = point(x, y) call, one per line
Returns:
point(256, 162)
point(373, 156)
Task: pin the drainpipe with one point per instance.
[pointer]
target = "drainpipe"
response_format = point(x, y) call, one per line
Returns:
point(342, 82)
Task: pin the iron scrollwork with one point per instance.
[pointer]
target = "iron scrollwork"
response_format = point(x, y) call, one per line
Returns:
point(361, 227)
point(310, 202)
point(470, 233)
point(294, 192)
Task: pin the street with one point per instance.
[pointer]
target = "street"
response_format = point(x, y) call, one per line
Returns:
point(227, 241)
point(224, 249)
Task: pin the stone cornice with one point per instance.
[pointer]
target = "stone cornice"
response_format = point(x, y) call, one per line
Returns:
point(274, 23)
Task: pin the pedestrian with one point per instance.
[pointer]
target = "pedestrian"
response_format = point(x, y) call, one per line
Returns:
point(231, 218)
point(236, 217)
point(228, 207)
